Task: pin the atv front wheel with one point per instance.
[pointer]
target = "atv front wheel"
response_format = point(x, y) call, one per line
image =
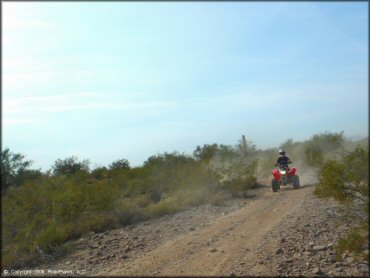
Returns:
point(275, 185)
point(296, 184)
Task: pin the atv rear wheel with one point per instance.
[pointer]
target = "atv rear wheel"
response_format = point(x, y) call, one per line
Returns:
point(275, 185)
point(296, 183)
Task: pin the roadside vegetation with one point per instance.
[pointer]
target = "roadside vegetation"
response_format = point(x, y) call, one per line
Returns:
point(344, 176)
point(41, 211)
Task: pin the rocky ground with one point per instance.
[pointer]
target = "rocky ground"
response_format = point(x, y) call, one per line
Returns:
point(305, 241)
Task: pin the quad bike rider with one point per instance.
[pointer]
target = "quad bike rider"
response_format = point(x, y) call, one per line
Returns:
point(284, 175)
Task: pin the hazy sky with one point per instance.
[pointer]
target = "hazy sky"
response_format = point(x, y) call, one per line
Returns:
point(105, 81)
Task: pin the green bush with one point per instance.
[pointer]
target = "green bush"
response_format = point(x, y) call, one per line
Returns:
point(240, 177)
point(70, 166)
point(356, 242)
point(100, 173)
point(322, 146)
point(120, 164)
point(43, 215)
point(14, 170)
point(167, 206)
point(347, 179)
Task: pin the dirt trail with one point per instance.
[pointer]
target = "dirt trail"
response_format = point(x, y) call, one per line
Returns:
point(219, 249)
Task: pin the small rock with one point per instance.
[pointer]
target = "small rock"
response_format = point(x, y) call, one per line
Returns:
point(213, 250)
point(67, 263)
point(279, 251)
point(127, 249)
point(316, 270)
point(124, 257)
point(191, 229)
point(297, 255)
point(319, 247)
point(330, 245)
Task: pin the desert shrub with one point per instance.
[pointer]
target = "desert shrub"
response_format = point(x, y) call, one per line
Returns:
point(143, 200)
point(125, 212)
point(206, 152)
point(52, 236)
point(347, 179)
point(191, 197)
point(70, 166)
point(322, 146)
point(43, 214)
point(356, 242)
point(14, 169)
point(215, 155)
point(166, 206)
point(266, 161)
point(240, 177)
point(100, 173)
point(120, 164)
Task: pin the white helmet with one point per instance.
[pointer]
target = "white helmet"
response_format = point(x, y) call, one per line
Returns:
point(282, 152)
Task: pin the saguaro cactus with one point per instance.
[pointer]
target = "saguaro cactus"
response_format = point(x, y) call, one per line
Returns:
point(244, 146)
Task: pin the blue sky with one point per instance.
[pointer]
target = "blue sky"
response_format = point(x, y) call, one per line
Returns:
point(105, 81)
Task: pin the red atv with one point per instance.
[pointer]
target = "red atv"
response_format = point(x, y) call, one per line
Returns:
point(284, 176)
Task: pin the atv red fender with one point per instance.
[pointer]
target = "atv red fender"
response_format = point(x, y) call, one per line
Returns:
point(277, 174)
point(292, 171)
